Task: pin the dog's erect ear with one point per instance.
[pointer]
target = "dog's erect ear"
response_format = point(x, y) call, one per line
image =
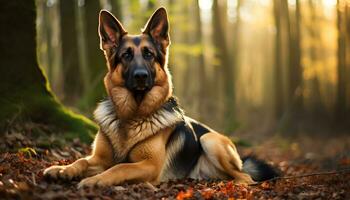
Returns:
point(158, 27)
point(110, 30)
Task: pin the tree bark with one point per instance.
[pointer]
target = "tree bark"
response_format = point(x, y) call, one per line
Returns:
point(25, 92)
point(292, 72)
point(226, 66)
point(295, 69)
point(278, 62)
point(202, 72)
point(97, 65)
point(341, 69)
point(347, 32)
point(72, 86)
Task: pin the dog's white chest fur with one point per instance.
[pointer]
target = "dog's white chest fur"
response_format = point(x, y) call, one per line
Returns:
point(123, 135)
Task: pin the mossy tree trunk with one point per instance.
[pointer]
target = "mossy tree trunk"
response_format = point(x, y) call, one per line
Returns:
point(25, 93)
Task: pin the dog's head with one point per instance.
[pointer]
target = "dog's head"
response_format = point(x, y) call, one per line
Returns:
point(138, 80)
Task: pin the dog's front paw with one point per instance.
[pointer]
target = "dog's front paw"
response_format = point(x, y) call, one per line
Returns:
point(98, 180)
point(63, 172)
point(244, 179)
point(244, 182)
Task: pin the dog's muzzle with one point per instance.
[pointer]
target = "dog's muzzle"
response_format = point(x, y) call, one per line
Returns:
point(141, 77)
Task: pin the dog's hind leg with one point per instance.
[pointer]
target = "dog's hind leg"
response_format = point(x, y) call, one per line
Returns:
point(222, 153)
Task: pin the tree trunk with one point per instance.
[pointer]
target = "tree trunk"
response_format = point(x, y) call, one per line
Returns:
point(70, 56)
point(95, 59)
point(295, 69)
point(347, 32)
point(25, 93)
point(293, 99)
point(203, 78)
point(51, 55)
point(226, 65)
point(278, 62)
point(341, 69)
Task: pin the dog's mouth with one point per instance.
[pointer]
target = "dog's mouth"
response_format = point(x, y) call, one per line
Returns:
point(139, 93)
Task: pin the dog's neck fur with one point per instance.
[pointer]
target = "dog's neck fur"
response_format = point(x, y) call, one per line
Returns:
point(125, 134)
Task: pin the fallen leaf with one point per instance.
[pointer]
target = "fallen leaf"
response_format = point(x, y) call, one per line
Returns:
point(207, 193)
point(184, 195)
point(265, 186)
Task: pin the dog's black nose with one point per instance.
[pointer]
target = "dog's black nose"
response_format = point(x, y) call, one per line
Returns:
point(140, 75)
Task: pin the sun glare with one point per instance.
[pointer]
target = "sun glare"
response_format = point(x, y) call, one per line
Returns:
point(205, 4)
point(231, 10)
point(264, 2)
point(329, 2)
point(292, 2)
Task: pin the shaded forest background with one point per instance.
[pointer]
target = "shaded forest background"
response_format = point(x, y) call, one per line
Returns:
point(250, 65)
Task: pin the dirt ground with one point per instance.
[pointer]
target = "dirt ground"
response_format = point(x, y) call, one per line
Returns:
point(312, 168)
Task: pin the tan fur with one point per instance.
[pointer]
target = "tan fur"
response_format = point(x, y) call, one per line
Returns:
point(147, 159)
point(124, 134)
point(100, 159)
point(145, 43)
point(129, 135)
point(124, 101)
point(221, 152)
point(115, 77)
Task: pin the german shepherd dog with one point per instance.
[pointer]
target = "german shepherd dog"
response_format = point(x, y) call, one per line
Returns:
point(144, 135)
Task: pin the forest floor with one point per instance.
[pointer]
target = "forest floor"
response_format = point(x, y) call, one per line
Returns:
point(312, 168)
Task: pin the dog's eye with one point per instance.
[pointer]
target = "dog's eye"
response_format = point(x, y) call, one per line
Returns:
point(147, 54)
point(127, 55)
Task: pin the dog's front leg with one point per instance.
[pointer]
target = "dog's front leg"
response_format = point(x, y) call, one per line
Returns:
point(101, 159)
point(147, 159)
point(126, 172)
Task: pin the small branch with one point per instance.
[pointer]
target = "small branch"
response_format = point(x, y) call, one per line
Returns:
point(343, 171)
point(33, 179)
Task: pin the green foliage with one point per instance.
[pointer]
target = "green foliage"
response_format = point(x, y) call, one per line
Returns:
point(27, 151)
point(187, 49)
point(240, 142)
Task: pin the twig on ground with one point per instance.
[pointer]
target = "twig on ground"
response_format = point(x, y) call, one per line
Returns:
point(33, 178)
point(343, 171)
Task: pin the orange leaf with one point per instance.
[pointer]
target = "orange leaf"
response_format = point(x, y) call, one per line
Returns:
point(207, 193)
point(265, 185)
point(180, 195)
point(344, 161)
point(229, 185)
point(184, 195)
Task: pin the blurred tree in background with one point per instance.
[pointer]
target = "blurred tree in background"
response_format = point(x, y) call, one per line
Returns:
point(25, 95)
point(255, 65)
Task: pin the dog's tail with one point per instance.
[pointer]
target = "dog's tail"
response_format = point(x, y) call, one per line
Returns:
point(258, 169)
